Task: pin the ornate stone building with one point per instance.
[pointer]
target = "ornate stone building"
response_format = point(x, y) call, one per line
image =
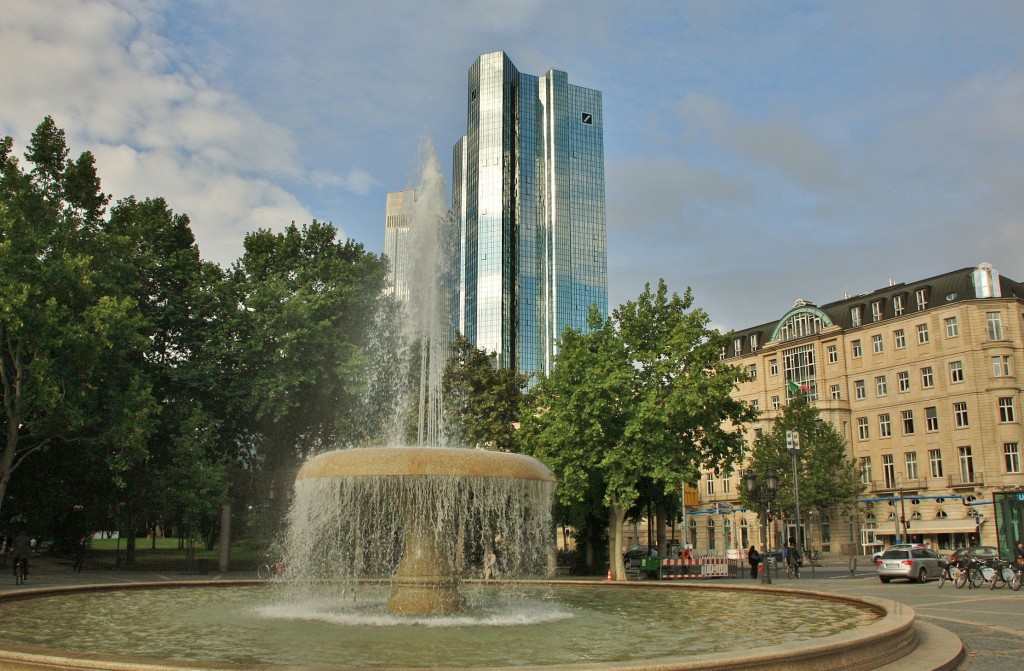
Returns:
point(922, 379)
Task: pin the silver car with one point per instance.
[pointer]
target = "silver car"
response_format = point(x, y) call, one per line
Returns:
point(911, 563)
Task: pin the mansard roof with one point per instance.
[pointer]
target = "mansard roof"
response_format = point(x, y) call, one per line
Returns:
point(948, 288)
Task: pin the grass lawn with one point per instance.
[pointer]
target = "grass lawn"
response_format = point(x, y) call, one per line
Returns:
point(168, 556)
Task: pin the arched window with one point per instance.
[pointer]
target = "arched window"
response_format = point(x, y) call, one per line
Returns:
point(802, 321)
point(711, 534)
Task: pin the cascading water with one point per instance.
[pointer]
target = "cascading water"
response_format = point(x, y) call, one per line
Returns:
point(418, 517)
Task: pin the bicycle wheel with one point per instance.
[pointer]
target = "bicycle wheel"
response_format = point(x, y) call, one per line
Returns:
point(264, 572)
point(1016, 581)
point(943, 574)
point(961, 579)
point(975, 578)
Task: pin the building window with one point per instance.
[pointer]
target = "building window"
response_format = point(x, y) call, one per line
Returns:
point(798, 365)
point(855, 315)
point(888, 471)
point(921, 296)
point(960, 415)
point(726, 483)
point(876, 311)
point(773, 367)
point(833, 353)
point(899, 338)
point(935, 462)
point(903, 380)
point(859, 390)
point(922, 334)
point(865, 470)
point(956, 372)
point(911, 462)
point(834, 392)
point(754, 404)
point(855, 349)
point(711, 534)
point(1006, 413)
point(931, 419)
point(862, 428)
point(952, 329)
point(898, 305)
point(737, 346)
point(753, 342)
point(876, 343)
point(775, 403)
point(881, 388)
point(752, 371)
point(966, 463)
point(884, 426)
point(908, 422)
point(709, 483)
point(1001, 366)
point(1011, 457)
point(722, 355)
point(927, 378)
point(995, 325)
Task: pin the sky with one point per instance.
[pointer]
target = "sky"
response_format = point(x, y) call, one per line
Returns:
point(756, 152)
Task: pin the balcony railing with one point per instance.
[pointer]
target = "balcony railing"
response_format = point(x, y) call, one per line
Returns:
point(966, 479)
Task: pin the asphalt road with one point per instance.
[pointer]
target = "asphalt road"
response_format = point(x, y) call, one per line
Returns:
point(989, 622)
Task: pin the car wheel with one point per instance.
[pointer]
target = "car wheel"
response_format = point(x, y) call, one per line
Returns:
point(922, 576)
point(884, 579)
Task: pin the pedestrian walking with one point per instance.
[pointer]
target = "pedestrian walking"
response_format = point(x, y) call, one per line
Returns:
point(753, 558)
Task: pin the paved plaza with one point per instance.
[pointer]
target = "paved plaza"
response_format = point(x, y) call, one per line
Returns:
point(989, 622)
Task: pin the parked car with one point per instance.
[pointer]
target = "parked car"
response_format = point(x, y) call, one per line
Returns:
point(985, 553)
point(898, 546)
point(914, 564)
point(639, 552)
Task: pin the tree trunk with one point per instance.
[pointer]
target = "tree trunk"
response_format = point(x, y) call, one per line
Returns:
point(662, 528)
point(616, 516)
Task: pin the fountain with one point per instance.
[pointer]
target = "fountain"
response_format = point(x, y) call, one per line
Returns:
point(380, 543)
point(354, 508)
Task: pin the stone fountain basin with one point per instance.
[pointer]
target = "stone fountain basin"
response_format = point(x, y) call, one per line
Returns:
point(424, 461)
point(887, 639)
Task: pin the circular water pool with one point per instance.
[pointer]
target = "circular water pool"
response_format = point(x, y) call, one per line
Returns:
point(538, 625)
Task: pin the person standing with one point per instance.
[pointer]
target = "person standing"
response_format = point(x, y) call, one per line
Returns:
point(753, 558)
point(21, 550)
point(490, 565)
point(793, 558)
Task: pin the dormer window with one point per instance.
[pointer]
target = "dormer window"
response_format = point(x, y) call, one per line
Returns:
point(876, 311)
point(921, 296)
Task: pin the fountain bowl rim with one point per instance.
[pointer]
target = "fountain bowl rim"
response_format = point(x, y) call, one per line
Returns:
point(424, 461)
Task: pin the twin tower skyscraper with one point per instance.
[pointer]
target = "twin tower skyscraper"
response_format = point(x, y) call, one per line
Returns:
point(528, 198)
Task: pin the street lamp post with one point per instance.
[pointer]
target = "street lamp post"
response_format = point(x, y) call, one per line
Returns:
point(793, 445)
point(763, 492)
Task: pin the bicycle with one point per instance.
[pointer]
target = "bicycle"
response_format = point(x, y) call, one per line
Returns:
point(952, 571)
point(270, 569)
point(20, 571)
point(1004, 573)
point(813, 555)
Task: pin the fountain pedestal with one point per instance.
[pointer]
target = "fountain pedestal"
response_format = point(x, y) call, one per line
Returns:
point(422, 585)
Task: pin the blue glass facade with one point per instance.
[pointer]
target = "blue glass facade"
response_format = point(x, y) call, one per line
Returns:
point(528, 192)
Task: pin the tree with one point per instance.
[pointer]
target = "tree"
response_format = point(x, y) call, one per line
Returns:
point(297, 366)
point(642, 395)
point(828, 477)
point(63, 335)
point(481, 401)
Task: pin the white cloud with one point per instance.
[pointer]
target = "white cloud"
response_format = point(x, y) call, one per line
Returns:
point(157, 129)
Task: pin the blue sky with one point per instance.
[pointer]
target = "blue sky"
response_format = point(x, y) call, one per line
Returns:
point(758, 152)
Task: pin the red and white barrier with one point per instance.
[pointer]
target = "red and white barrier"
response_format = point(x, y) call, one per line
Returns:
point(708, 566)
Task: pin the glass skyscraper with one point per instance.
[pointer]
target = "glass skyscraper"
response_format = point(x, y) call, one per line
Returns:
point(397, 220)
point(528, 193)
